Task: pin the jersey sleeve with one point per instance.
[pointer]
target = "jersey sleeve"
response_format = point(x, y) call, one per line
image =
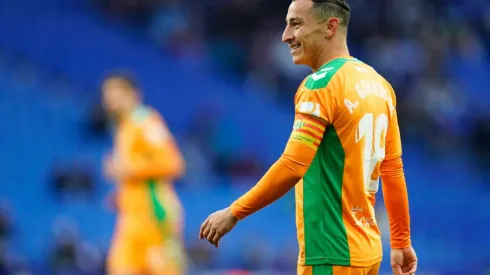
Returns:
point(314, 111)
point(312, 115)
point(393, 148)
point(394, 185)
point(153, 135)
point(157, 155)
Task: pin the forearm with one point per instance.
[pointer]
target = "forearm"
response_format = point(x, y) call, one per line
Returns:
point(396, 202)
point(280, 178)
point(273, 185)
point(288, 170)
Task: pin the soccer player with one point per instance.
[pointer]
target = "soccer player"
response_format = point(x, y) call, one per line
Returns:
point(144, 162)
point(345, 137)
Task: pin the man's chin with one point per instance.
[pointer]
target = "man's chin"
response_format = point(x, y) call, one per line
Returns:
point(298, 60)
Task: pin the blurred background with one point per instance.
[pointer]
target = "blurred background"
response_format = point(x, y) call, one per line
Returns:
point(215, 69)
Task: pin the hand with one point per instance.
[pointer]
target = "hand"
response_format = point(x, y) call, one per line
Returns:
point(403, 261)
point(113, 170)
point(217, 225)
point(110, 201)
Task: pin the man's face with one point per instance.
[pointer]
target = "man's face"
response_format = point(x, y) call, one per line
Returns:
point(304, 34)
point(117, 97)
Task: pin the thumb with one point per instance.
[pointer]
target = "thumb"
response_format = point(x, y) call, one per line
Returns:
point(397, 269)
point(413, 268)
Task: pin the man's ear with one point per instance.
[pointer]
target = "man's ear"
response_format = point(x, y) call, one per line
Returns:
point(331, 27)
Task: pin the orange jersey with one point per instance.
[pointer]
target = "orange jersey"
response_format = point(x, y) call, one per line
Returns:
point(145, 147)
point(346, 111)
point(337, 270)
point(344, 138)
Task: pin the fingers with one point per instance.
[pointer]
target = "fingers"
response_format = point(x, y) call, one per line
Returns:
point(216, 226)
point(204, 230)
point(397, 269)
point(210, 237)
point(107, 161)
point(412, 268)
point(209, 233)
point(216, 238)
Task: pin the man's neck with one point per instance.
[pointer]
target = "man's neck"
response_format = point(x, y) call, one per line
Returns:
point(331, 54)
point(128, 112)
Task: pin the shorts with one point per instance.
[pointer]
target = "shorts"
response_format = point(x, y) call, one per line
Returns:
point(337, 270)
point(142, 249)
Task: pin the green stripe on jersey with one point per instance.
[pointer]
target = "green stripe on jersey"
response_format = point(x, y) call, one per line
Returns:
point(325, 233)
point(322, 270)
point(158, 209)
point(322, 77)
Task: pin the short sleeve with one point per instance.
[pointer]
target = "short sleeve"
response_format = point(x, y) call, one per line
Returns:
point(154, 134)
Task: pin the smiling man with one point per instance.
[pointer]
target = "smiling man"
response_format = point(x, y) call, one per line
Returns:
point(345, 137)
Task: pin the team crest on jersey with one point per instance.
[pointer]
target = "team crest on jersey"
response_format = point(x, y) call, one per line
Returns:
point(309, 108)
point(298, 124)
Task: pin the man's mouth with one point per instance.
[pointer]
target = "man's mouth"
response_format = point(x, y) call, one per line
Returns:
point(294, 46)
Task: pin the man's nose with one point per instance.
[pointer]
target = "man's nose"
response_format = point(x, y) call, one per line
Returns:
point(287, 36)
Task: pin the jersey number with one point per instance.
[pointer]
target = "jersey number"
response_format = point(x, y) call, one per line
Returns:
point(374, 150)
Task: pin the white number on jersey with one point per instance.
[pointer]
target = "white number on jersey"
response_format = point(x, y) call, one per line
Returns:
point(373, 153)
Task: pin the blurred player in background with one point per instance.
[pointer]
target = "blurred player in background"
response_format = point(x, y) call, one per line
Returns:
point(345, 136)
point(143, 164)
